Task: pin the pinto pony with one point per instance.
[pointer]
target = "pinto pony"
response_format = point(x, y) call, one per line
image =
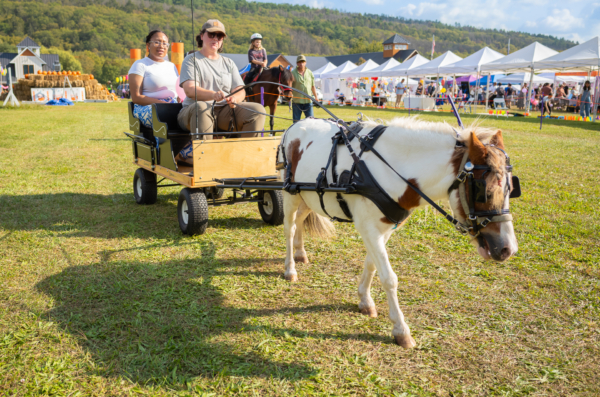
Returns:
point(271, 92)
point(429, 156)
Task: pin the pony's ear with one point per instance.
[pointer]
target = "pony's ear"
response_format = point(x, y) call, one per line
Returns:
point(280, 68)
point(497, 140)
point(477, 150)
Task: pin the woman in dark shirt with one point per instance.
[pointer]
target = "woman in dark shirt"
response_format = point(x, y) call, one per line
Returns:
point(257, 57)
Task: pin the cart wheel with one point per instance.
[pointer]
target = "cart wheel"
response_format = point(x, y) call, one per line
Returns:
point(192, 211)
point(271, 208)
point(144, 187)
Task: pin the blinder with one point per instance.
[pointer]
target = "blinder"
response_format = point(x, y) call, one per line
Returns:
point(477, 220)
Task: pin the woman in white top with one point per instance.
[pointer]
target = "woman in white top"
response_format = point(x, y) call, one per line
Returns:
point(152, 79)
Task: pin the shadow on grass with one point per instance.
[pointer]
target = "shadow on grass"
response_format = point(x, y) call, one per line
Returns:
point(105, 216)
point(167, 322)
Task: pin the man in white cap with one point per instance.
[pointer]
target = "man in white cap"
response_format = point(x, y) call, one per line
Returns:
point(213, 78)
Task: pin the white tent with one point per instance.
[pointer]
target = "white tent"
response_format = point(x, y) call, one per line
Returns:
point(402, 70)
point(360, 69)
point(472, 63)
point(335, 73)
point(565, 79)
point(522, 60)
point(432, 68)
point(324, 69)
point(377, 72)
point(582, 57)
point(521, 78)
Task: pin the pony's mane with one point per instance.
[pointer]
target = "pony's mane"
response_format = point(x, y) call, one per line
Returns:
point(414, 123)
point(287, 75)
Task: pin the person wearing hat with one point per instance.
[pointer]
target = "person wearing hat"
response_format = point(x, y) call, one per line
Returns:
point(257, 57)
point(210, 77)
point(304, 80)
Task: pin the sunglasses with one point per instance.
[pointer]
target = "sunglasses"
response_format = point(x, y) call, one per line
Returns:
point(218, 36)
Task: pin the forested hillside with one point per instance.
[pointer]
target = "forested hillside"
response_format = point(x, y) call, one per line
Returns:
point(99, 33)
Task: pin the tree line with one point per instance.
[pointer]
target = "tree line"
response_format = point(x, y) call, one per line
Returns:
point(95, 36)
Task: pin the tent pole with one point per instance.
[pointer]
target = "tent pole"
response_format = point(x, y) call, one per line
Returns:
point(476, 100)
point(529, 92)
point(487, 92)
point(596, 100)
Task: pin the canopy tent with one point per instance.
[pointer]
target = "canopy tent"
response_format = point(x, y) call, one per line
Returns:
point(484, 79)
point(522, 60)
point(521, 78)
point(432, 68)
point(335, 73)
point(471, 64)
point(377, 72)
point(245, 69)
point(360, 70)
point(402, 70)
point(566, 79)
point(323, 69)
point(582, 57)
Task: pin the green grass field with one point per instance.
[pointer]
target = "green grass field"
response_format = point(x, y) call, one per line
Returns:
point(102, 297)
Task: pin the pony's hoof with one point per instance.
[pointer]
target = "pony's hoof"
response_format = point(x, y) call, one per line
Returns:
point(369, 311)
point(292, 278)
point(405, 341)
point(301, 259)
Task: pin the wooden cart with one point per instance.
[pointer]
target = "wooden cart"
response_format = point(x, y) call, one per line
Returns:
point(217, 162)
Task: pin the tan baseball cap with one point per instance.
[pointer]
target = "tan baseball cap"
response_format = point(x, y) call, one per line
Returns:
point(214, 25)
point(301, 58)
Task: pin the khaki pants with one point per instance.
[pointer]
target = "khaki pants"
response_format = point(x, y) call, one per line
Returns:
point(247, 120)
point(399, 100)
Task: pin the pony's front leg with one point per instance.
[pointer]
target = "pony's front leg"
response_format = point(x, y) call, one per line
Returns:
point(290, 206)
point(299, 252)
point(366, 304)
point(375, 242)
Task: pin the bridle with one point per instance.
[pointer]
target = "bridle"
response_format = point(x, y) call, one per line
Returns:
point(282, 87)
point(477, 220)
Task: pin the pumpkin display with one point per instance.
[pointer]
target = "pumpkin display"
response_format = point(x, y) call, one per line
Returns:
point(27, 76)
point(91, 77)
point(39, 72)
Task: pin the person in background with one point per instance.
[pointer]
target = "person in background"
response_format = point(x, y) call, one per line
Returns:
point(509, 92)
point(586, 99)
point(339, 96)
point(257, 57)
point(546, 95)
point(400, 90)
point(419, 90)
point(431, 90)
point(152, 79)
point(304, 80)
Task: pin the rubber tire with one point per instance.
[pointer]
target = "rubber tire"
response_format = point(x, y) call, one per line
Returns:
point(197, 211)
point(275, 217)
point(147, 187)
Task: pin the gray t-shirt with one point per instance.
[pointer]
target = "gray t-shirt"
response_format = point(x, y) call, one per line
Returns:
point(216, 75)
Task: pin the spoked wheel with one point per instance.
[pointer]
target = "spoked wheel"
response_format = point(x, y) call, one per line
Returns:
point(271, 208)
point(144, 187)
point(192, 211)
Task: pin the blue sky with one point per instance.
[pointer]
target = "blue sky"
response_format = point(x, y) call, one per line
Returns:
point(577, 20)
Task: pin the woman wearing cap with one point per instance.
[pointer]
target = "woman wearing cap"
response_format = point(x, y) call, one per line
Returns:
point(208, 76)
point(257, 57)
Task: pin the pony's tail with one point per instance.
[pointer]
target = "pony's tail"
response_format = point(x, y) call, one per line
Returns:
point(319, 226)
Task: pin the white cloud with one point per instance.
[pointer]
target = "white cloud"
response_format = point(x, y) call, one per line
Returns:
point(562, 21)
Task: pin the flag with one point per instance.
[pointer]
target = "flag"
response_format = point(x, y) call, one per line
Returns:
point(432, 46)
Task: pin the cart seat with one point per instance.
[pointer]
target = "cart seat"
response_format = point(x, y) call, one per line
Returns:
point(137, 127)
point(164, 120)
